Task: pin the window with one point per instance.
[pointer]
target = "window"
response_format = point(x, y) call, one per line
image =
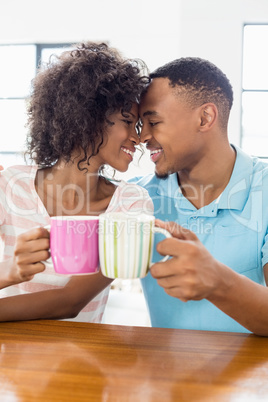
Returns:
point(17, 68)
point(254, 135)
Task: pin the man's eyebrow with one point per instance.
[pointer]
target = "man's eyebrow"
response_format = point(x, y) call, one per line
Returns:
point(150, 113)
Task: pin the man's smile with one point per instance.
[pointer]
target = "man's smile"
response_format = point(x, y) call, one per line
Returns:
point(155, 154)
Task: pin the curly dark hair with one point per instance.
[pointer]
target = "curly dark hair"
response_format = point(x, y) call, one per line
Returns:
point(73, 97)
point(199, 81)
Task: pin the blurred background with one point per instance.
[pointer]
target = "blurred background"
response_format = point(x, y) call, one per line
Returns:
point(233, 34)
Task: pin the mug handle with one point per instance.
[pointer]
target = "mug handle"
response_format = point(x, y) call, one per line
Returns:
point(165, 233)
point(48, 262)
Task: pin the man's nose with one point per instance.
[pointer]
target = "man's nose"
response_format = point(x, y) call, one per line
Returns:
point(145, 136)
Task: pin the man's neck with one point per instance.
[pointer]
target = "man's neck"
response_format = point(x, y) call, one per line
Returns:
point(206, 182)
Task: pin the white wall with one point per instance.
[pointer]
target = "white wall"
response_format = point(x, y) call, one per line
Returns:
point(139, 28)
point(212, 29)
point(152, 30)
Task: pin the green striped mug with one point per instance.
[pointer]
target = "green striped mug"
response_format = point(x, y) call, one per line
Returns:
point(126, 244)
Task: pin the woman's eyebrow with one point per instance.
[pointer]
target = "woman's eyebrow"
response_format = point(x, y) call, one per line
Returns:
point(133, 115)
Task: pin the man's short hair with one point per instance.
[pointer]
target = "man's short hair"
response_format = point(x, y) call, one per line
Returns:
point(199, 81)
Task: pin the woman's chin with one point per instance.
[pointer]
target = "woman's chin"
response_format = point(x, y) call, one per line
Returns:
point(122, 170)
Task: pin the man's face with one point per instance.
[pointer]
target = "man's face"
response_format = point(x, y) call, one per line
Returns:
point(170, 129)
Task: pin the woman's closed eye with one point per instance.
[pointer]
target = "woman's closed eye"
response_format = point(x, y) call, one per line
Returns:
point(128, 122)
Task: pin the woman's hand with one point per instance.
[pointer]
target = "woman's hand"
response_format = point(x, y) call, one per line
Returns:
point(65, 302)
point(31, 248)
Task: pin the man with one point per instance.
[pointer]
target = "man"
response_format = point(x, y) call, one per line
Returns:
point(214, 196)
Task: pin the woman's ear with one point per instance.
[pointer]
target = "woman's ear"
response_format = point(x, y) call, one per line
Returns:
point(208, 116)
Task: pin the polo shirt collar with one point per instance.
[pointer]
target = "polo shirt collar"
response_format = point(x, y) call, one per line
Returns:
point(169, 187)
point(234, 196)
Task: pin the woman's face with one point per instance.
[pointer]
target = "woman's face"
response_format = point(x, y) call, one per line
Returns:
point(120, 140)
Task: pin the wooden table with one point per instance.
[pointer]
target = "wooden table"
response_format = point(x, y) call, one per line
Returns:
point(64, 361)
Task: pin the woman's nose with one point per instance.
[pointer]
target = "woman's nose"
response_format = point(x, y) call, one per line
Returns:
point(134, 137)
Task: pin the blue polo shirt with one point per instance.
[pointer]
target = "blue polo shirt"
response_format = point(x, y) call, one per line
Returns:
point(234, 230)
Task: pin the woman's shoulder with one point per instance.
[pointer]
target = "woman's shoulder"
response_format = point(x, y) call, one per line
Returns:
point(130, 196)
point(130, 185)
point(119, 186)
point(17, 176)
point(18, 169)
point(16, 183)
point(127, 189)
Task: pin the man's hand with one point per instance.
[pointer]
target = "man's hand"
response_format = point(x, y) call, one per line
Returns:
point(192, 273)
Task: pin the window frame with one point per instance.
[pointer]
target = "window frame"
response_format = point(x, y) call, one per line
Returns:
point(39, 48)
point(243, 90)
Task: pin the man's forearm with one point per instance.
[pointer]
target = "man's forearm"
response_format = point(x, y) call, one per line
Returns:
point(243, 300)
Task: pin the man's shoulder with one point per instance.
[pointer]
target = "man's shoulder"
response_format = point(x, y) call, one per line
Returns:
point(259, 171)
point(260, 165)
point(166, 187)
point(250, 167)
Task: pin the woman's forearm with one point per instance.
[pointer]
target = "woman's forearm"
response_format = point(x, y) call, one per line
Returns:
point(6, 274)
point(61, 303)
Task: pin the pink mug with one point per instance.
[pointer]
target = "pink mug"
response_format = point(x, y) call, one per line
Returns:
point(74, 244)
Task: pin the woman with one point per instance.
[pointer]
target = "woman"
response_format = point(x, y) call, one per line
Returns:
point(83, 114)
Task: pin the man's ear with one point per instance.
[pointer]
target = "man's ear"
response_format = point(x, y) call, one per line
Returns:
point(208, 116)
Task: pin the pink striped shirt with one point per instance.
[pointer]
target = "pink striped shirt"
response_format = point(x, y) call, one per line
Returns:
point(21, 209)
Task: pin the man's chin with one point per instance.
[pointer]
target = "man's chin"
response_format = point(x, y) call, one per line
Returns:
point(162, 176)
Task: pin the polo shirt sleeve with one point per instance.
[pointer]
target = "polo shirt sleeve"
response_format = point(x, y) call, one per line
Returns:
point(265, 251)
